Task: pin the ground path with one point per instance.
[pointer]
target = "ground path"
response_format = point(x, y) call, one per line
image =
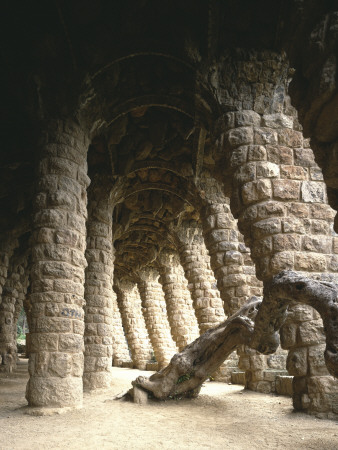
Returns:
point(223, 417)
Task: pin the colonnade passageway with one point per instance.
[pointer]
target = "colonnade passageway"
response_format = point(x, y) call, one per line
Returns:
point(163, 167)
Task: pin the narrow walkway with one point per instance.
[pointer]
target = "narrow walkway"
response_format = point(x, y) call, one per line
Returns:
point(223, 417)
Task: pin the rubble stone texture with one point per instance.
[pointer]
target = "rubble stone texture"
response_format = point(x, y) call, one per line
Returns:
point(98, 335)
point(129, 302)
point(58, 263)
point(155, 315)
point(181, 315)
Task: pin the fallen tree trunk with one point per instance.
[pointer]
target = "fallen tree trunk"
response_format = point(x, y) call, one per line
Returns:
point(188, 369)
point(290, 287)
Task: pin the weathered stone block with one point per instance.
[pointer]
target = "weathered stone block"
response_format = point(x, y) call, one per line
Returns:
point(264, 136)
point(256, 153)
point(286, 189)
point(279, 154)
point(277, 120)
point(290, 138)
point(240, 136)
point(283, 242)
point(266, 227)
point(310, 262)
point(304, 157)
point(311, 333)
point(313, 192)
point(296, 362)
point(293, 172)
point(267, 170)
point(256, 191)
point(281, 261)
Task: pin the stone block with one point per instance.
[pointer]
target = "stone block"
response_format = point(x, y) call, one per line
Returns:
point(256, 153)
point(282, 261)
point(320, 244)
point(256, 191)
point(239, 136)
point(316, 360)
point(286, 189)
point(311, 333)
point(304, 157)
point(293, 225)
point(301, 313)
point(43, 341)
point(264, 136)
point(70, 343)
point(277, 120)
point(293, 172)
point(296, 362)
point(239, 156)
point(313, 192)
point(322, 211)
point(270, 208)
point(290, 138)
point(267, 169)
point(60, 364)
point(246, 172)
point(266, 227)
point(284, 385)
point(246, 118)
point(283, 242)
point(54, 391)
point(310, 262)
point(279, 154)
point(300, 210)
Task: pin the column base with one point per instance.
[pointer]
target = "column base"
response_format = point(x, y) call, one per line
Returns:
point(53, 392)
point(93, 381)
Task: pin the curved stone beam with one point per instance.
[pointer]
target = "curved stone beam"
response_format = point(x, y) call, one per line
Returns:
point(289, 287)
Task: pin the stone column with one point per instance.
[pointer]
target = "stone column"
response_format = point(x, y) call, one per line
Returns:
point(7, 246)
point(57, 271)
point(98, 287)
point(10, 297)
point(155, 315)
point(280, 202)
point(181, 314)
point(129, 302)
point(120, 346)
point(201, 281)
point(235, 273)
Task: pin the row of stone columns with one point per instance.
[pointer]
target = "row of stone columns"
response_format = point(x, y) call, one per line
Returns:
point(282, 212)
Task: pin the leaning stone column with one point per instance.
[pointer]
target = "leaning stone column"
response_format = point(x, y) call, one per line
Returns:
point(201, 281)
point(58, 263)
point(235, 273)
point(98, 287)
point(129, 302)
point(120, 346)
point(280, 201)
point(181, 314)
point(155, 315)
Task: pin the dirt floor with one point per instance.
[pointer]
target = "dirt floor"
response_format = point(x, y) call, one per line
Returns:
point(223, 417)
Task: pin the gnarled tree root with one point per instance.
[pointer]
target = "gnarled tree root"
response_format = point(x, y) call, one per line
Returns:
point(188, 369)
point(289, 287)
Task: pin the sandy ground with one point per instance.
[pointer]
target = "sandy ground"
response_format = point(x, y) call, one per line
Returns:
point(223, 417)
